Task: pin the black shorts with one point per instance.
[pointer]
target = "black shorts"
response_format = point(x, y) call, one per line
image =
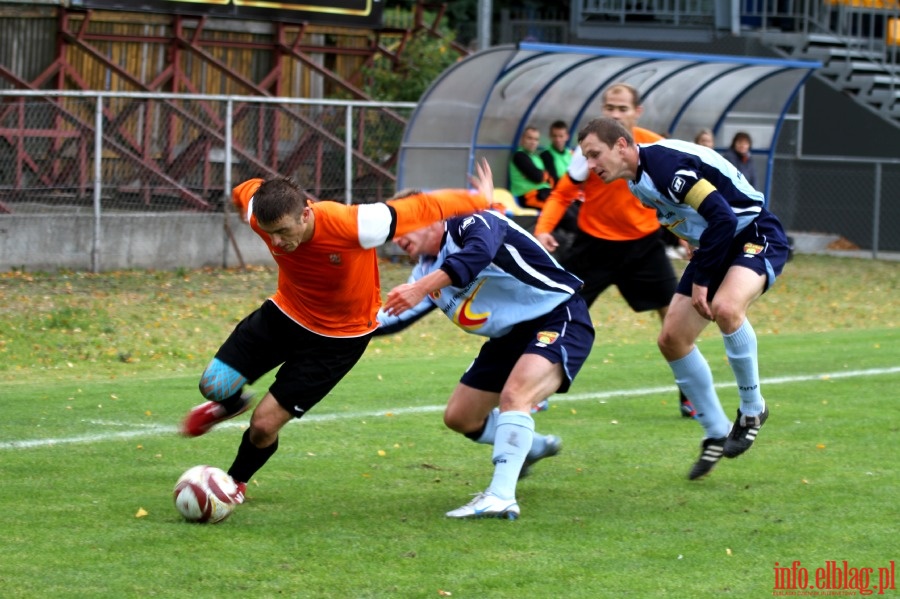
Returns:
point(640, 269)
point(311, 364)
point(762, 247)
point(564, 336)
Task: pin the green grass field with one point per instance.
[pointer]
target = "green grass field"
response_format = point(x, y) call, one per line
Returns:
point(96, 372)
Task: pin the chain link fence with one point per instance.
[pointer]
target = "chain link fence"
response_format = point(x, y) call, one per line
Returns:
point(836, 203)
point(845, 204)
point(151, 152)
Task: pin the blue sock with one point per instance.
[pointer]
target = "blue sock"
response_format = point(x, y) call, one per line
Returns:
point(490, 428)
point(538, 441)
point(740, 347)
point(515, 431)
point(693, 376)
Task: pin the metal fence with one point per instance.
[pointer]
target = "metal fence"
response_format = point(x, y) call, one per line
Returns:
point(66, 151)
point(846, 202)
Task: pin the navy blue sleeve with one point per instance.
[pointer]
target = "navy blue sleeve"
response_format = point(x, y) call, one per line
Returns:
point(479, 236)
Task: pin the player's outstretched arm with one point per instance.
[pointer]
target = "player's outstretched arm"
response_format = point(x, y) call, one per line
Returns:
point(420, 210)
point(483, 180)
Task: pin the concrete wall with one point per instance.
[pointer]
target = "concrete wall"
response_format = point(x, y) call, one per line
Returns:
point(160, 241)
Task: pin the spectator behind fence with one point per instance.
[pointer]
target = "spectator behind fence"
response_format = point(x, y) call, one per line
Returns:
point(557, 157)
point(705, 137)
point(529, 181)
point(738, 154)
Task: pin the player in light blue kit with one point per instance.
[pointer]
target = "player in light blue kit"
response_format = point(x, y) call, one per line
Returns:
point(741, 248)
point(491, 278)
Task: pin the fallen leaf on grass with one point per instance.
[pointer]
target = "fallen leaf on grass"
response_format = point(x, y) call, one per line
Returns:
point(141, 513)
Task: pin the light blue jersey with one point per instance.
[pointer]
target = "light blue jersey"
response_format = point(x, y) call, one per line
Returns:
point(668, 172)
point(699, 196)
point(500, 276)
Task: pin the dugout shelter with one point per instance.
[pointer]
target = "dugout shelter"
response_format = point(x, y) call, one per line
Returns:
point(480, 106)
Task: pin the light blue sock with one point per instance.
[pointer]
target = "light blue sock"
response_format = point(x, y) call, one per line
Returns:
point(490, 428)
point(740, 347)
point(515, 431)
point(693, 376)
point(538, 441)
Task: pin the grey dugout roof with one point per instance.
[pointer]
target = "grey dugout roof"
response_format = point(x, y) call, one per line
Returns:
point(480, 106)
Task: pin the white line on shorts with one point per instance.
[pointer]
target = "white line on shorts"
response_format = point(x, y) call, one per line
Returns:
point(139, 430)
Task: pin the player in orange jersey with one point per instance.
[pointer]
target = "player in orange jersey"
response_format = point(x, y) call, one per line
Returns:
point(619, 241)
point(319, 321)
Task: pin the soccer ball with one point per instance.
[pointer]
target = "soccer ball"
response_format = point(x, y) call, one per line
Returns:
point(205, 494)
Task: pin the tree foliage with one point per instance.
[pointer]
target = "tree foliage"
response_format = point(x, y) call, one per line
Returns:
point(419, 62)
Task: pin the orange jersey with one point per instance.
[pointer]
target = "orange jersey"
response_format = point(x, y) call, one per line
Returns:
point(609, 211)
point(330, 284)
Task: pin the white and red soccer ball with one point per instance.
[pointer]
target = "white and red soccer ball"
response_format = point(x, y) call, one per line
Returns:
point(205, 494)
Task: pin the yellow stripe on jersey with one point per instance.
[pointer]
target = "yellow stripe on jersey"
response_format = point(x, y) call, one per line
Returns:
point(698, 193)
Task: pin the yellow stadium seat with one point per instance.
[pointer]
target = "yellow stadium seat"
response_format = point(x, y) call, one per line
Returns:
point(506, 203)
point(892, 33)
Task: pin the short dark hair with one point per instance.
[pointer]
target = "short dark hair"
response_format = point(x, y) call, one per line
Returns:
point(558, 125)
point(608, 130)
point(277, 198)
point(741, 136)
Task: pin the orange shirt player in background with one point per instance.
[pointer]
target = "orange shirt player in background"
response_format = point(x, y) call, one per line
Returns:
point(319, 321)
point(618, 241)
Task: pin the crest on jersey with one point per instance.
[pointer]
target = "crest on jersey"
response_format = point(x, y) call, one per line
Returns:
point(677, 184)
point(547, 337)
point(334, 258)
point(752, 249)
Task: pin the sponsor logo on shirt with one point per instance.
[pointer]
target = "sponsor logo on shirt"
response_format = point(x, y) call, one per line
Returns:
point(465, 317)
point(334, 258)
point(677, 184)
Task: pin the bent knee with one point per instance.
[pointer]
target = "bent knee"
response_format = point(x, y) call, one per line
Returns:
point(220, 381)
point(460, 422)
point(672, 345)
point(728, 315)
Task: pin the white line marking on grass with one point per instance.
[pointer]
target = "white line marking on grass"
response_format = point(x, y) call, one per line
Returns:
point(153, 430)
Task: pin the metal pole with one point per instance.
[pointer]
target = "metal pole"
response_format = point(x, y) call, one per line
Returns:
point(876, 211)
point(801, 103)
point(98, 153)
point(226, 180)
point(348, 155)
point(485, 11)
